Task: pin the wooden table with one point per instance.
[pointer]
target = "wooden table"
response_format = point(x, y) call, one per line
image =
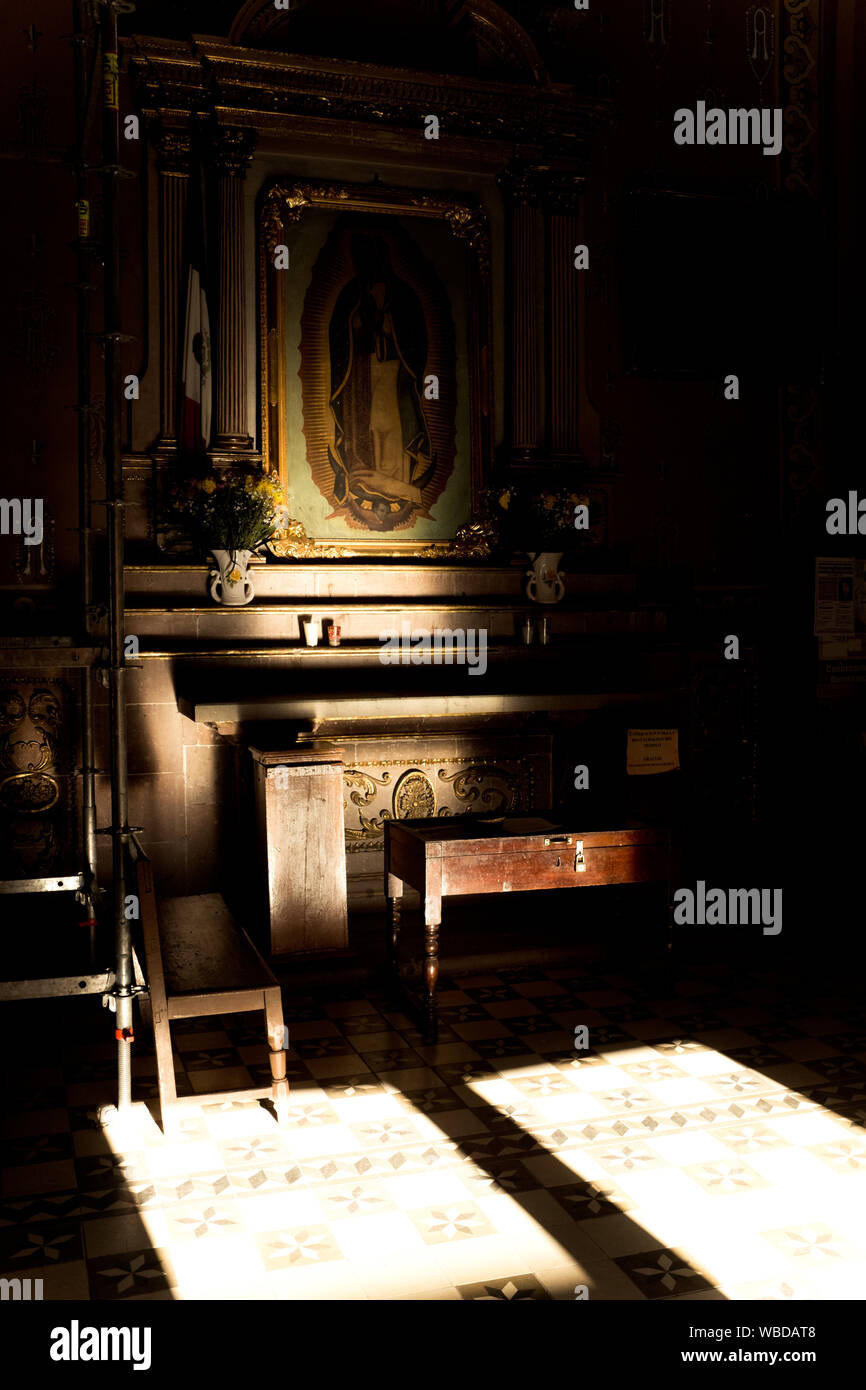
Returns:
point(466, 854)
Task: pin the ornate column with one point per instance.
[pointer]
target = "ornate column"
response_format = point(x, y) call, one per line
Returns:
point(232, 152)
point(566, 302)
point(525, 326)
point(173, 153)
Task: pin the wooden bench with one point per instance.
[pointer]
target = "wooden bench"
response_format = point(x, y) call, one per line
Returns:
point(199, 962)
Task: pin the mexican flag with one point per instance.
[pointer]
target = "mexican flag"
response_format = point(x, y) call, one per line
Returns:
point(196, 375)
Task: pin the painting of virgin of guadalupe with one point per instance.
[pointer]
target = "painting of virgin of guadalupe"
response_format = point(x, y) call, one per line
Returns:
point(389, 412)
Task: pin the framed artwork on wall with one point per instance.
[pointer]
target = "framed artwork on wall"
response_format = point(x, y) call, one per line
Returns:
point(375, 369)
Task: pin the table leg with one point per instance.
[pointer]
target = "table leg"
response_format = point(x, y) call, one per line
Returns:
point(432, 918)
point(672, 885)
point(395, 903)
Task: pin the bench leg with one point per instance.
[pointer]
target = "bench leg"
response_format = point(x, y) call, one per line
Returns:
point(277, 1043)
point(164, 1070)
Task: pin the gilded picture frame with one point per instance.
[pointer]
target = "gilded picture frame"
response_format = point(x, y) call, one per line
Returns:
point(390, 496)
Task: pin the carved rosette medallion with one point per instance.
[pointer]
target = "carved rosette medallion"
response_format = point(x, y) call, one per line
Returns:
point(414, 797)
point(35, 818)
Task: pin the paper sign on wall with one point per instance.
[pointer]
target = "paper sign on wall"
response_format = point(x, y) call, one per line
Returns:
point(652, 750)
point(840, 597)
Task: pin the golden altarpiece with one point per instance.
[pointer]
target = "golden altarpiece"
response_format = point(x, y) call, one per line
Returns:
point(446, 210)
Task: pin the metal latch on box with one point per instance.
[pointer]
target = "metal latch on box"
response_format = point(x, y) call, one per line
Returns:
point(579, 861)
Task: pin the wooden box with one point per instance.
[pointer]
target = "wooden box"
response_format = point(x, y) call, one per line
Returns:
point(299, 808)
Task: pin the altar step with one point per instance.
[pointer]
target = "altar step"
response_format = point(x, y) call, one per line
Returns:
point(327, 581)
point(364, 622)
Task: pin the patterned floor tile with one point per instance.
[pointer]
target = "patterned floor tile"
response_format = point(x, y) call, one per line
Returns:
point(792, 1289)
point(430, 1100)
point(516, 1288)
point(33, 1178)
point(724, 1177)
point(218, 1079)
point(748, 1138)
point(386, 1133)
point(661, 1273)
point(255, 1148)
point(44, 1207)
point(492, 993)
point(626, 1158)
point(850, 1040)
point(585, 1201)
point(196, 1186)
point(843, 1156)
point(45, 1243)
point(309, 1116)
point(506, 1049)
point(203, 1218)
point(570, 1062)
point(450, 1222)
point(499, 1175)
point(550, 1083)
point(717, 1124)
point(678, 1047)
point(812, 1245)
point(36, 1148)
point(465, 1072)
point(393, 1059)
point(340, 1201)
point(130, 1274)
point(347, 1087)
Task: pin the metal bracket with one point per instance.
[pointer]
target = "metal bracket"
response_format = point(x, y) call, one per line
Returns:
point(119, 6)
point(111, 996)
point(113, 336)
point(114, 169)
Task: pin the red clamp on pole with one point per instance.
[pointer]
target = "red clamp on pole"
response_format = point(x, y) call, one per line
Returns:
point(88, 922)
point(124, 1035)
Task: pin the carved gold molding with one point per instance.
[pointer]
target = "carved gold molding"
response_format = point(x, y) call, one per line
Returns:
point(36, 815)
point(273, 90)
point(491, 785)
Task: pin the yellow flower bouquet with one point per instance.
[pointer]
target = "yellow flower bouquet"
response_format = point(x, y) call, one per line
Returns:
point(231, 509)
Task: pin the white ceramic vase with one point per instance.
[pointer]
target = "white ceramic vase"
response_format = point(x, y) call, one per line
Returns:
point(544, 582)
point(230, 584)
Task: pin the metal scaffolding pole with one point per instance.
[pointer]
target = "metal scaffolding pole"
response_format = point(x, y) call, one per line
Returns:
point(83, 42)
point(124, 990)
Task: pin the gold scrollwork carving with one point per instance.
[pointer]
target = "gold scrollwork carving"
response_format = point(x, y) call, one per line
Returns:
point(365, 783)
point(293, 543)
point(474, 541)
point(484, 785)
point(477, 785)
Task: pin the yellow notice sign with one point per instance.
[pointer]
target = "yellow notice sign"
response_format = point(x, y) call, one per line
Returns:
point(652, 750)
